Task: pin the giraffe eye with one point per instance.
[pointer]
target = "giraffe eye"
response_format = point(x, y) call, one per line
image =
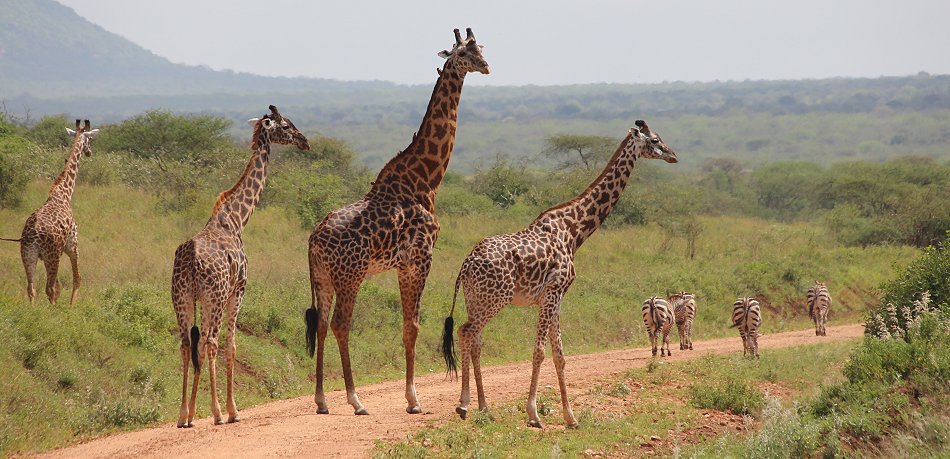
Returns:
point(655, 140)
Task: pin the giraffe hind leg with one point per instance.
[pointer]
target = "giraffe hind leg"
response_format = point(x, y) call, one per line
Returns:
point(52, 278)
point(29, 257)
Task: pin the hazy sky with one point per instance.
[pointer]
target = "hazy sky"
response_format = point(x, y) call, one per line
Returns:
point(542, 41)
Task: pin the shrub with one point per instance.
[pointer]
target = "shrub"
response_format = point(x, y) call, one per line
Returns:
point(732, 394)
point(13, 174)
point(921, 286)
point(502, 182)
point(50, 132)
point(161, 133)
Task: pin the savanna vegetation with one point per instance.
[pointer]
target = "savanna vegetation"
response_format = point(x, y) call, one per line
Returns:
point(719, 230)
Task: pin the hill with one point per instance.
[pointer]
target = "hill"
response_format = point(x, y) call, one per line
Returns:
point(53, 61)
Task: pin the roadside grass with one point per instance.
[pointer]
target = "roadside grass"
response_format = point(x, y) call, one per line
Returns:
point(112, 362)
point(657, 410)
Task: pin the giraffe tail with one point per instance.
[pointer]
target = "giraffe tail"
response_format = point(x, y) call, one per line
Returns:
point(448, 333)
point(312, 318)
point(11, 240)
point(195, 338)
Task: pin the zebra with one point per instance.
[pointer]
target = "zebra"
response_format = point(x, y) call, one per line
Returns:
point(658, 318)
point(819, 302)
point(684, 311)
point(747, 316)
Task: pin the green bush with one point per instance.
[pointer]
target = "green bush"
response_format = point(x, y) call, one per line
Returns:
point(50, 132)
point(160, 133)
point(13, 174)
point(502, 182)
point(456, 200)
point(923, 285)
point(732, 394)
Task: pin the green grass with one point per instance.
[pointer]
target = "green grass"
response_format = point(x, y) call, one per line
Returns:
point(622, 415)
point(112, 362)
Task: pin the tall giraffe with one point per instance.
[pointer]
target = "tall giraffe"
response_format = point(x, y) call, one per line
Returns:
point(211, 268)
point(392, 227)
point(535, 266)
point(51, 230)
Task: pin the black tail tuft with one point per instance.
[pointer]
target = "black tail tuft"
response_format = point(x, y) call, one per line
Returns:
point(448, 346)
point(312, 318)
point(195, 339)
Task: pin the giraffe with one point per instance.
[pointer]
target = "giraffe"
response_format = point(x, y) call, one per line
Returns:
point(392, 227)
point(535, 266)
point(51, 230)
point(211, 268)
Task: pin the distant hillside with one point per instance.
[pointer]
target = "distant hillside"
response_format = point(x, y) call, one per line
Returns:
point(48, 52)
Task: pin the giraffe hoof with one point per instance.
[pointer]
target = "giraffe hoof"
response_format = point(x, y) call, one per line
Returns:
point(414, 410)
point(361, 412)
point(573, 426)
point(233, 419)
point(533, 423)
point(184, 425)
point(323, 410)
point(461, 411)
point(218, 422)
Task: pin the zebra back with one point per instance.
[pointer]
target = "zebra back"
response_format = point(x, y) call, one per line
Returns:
point(746, 315)
point(818, 298)
point(656, 313)
point(684, 306)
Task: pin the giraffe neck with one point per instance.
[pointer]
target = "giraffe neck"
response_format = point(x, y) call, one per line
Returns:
point(421, 166)
point(235, 205)
point(581, 216)
point(65, 183)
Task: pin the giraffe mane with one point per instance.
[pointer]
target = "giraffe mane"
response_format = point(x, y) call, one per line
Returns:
point(255, 144)
point(607, 168)
point(73, 150)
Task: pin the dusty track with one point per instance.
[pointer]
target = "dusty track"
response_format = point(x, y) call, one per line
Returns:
point(291, 427)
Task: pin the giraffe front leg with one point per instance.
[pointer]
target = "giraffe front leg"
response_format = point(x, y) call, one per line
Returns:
point(342, 321)
point(557, 352)
point(234, 306)
point(533, 419)
point(412, 282)
point(73, 255)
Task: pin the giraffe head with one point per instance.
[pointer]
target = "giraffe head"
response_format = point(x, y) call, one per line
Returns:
point(466, 55)
point(279, 129)
point(82, 137)
point(649, 144)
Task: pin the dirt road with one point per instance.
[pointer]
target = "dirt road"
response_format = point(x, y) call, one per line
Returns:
point(291, 427)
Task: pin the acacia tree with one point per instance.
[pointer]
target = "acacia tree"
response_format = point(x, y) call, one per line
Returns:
point(574, 151)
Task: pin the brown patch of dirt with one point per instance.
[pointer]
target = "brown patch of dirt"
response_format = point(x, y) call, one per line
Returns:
point(292, 428)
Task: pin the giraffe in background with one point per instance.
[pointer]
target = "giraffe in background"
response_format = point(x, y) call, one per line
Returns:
point(535, 266)
point(51, 230)
point(392, 227)
point(211, 268)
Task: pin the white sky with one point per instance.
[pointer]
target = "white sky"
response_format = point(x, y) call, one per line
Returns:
point(542, 42)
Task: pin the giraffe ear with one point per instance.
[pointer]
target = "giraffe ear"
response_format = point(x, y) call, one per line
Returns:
point(92, 134)
point(253, 122)
point(444, 54)
point(70, 132)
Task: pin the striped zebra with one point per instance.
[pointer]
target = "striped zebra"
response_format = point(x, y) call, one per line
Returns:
point(658, 317)
point(819, 302)
point(747, 316)
point(684, 311)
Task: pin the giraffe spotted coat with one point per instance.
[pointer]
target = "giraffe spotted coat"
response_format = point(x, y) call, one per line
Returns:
point(535, 266)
